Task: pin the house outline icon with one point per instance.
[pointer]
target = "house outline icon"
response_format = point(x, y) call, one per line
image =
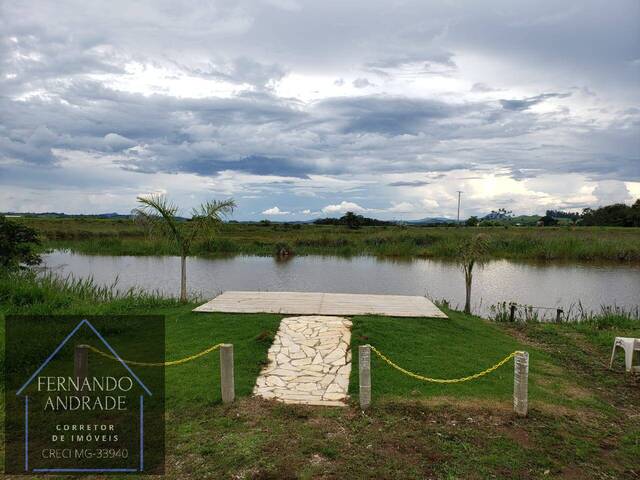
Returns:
point(26, 408)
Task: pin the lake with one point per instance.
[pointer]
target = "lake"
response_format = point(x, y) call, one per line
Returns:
point(540, 284)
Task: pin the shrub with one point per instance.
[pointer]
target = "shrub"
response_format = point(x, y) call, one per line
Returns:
point(283, 249)
point(17, 245)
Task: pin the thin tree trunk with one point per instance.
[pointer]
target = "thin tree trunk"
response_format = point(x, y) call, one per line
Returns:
point(183, 278)
point(468, 279)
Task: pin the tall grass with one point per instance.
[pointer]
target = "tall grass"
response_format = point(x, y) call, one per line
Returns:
point(28, 291)
point(609, 316)
point(122, 237)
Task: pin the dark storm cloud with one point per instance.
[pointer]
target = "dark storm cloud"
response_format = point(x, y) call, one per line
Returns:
point(37, 56)
point(526, 103)
point(386, 115)
point(261, 165)
point(262, 134)
point(414, 183)
point(36, 148)
point(193, 161)
point(57, 60)
point(91, 117)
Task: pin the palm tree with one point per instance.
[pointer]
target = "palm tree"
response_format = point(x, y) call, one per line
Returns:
point(158, 214)
point(472, 252)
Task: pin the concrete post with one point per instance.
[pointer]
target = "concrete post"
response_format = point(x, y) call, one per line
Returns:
point(521, 383)
point(81, 362)
point(364, 364)
point(227, 384)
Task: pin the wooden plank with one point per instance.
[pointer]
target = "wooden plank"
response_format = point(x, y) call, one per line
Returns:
point(315, 303)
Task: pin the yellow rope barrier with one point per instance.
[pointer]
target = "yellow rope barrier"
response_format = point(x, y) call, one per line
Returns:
point(160, 364)
point(445, 380)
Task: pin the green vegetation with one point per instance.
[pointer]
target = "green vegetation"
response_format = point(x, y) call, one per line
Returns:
point(124, 237)
point(473, 251)
point(608, 316)
point(582, 420)
point(619, 215)
point(472, 222)
point(17, 245)
point(353, 220)
point(615, 215)
point(159, 216)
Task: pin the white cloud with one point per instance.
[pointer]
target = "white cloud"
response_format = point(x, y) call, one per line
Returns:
point(288, 5)
point(118, 142)
point(612, 191)
point(306, 211)
point(634, 189)
point(274, 211)
point(402, 207)
point(343, 207)
point(429, 203)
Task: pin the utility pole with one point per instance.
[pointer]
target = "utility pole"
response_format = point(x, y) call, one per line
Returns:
point(459, 193)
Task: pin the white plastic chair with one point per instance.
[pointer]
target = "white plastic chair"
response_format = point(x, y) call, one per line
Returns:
point(629, 345)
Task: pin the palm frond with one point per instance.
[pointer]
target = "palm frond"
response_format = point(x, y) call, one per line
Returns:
point(214, 209)
point(156, 203)
point(208, 216)
point(149, 222)
point(158, 213)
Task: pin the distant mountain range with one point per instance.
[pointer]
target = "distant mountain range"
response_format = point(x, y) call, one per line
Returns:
point(115, 215)
point(118, 216)
point(64, 215)
point(432, 220)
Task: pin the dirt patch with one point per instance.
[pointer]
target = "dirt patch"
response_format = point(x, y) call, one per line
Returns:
point(573, 473)
point(518, 435)
point(576, 392)
point(519, 333)
point(469, 405)
point(550, 369)
point(569, 390)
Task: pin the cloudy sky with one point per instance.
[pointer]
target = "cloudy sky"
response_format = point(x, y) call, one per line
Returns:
point(301, 109)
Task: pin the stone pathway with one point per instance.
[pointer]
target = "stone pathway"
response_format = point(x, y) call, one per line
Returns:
point(309, 362)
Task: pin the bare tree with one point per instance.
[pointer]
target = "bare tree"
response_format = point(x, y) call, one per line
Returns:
point(159, 215)
point(473, 252)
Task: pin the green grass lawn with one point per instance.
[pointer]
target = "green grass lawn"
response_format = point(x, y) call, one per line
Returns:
point(436, 348)
point(197, 383)
point(583, 419)
point(453, 348)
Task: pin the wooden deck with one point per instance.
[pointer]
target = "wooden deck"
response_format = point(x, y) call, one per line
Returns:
point(311, 303)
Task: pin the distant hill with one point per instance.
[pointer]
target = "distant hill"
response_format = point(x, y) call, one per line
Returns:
point(431, 221)
point(64, 215)
point(526, 220)
point(110, 216)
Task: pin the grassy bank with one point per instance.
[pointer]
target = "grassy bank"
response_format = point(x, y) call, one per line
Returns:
point(583, 420)
point(123, 237)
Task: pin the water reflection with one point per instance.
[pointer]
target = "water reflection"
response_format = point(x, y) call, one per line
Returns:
point(535, 283)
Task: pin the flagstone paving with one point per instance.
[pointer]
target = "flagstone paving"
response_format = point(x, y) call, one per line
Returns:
point(316, 303)
point(309, 362)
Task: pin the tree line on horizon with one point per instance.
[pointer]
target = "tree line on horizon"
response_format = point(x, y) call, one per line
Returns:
point(615, 215)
